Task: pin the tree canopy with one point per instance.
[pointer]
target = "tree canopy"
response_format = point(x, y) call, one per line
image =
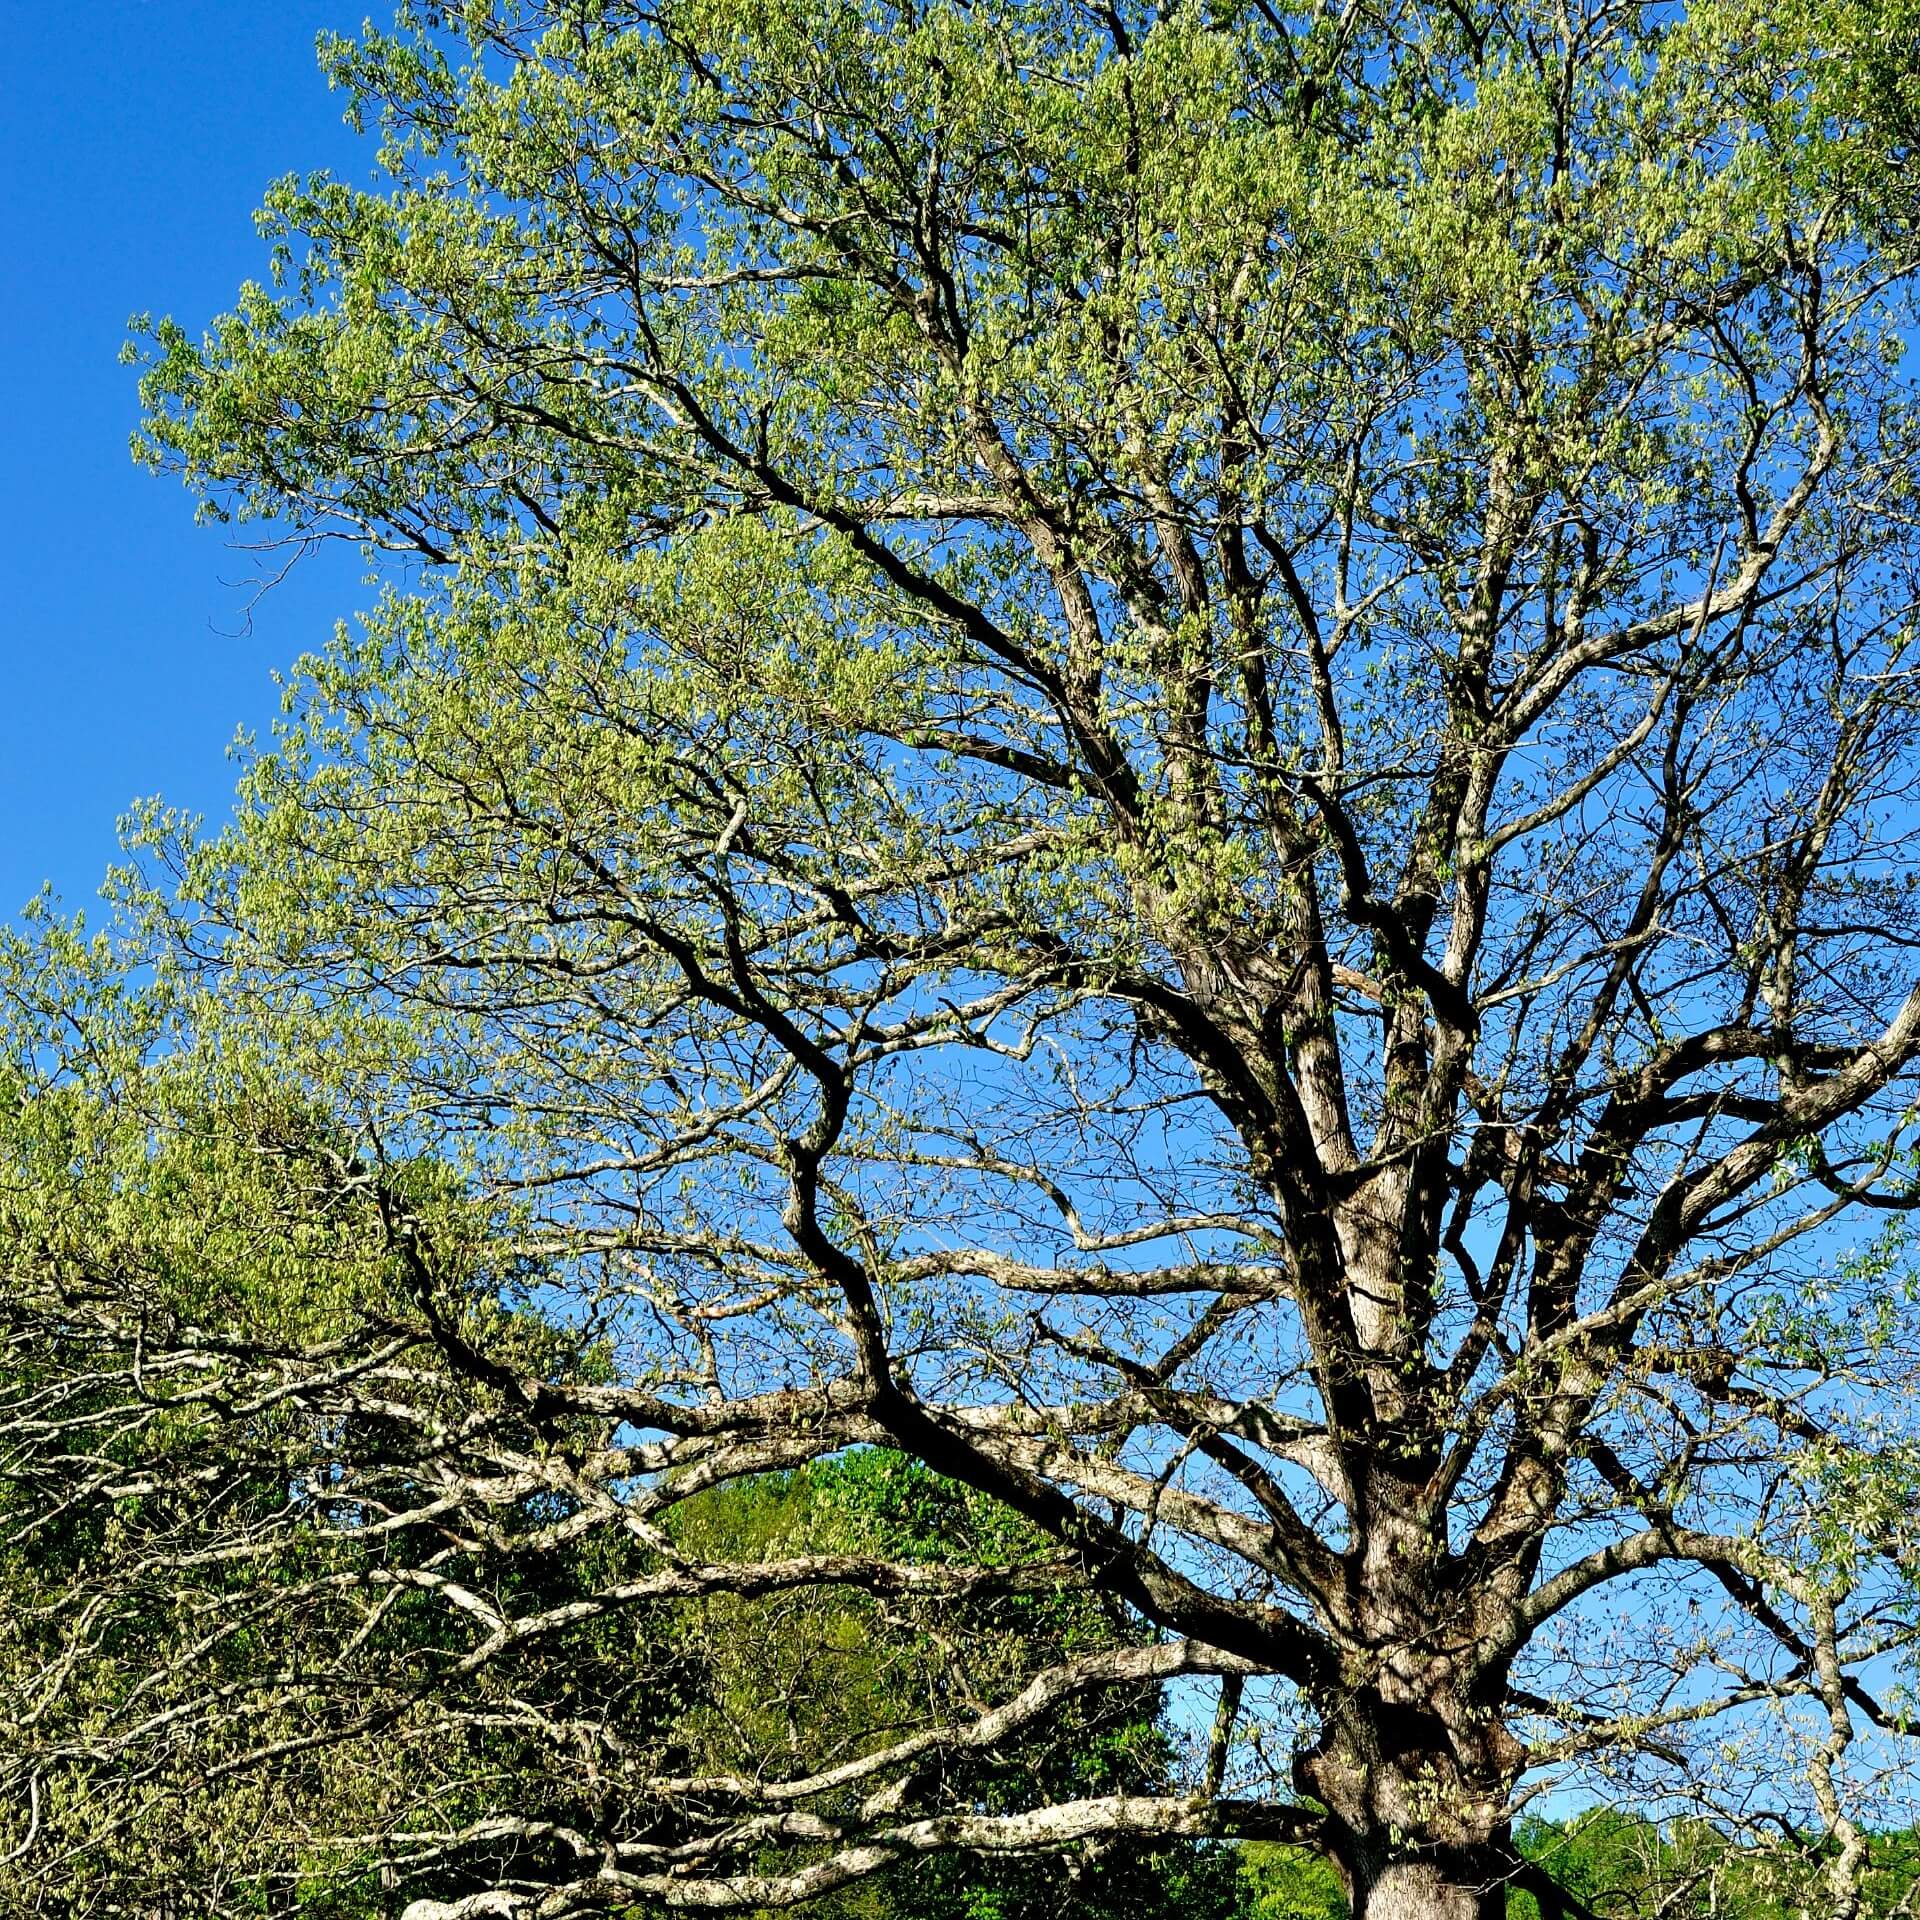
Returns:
point(1162, 755)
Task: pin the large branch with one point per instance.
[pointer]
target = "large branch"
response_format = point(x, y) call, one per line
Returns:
point(1066, 1824)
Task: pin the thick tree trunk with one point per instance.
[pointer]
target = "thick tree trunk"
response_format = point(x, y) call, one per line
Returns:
point(1414, 1763)
point(1417, 1800)
point(1447, 1887)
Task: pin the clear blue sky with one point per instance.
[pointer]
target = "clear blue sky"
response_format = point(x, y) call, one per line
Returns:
point(137, 139)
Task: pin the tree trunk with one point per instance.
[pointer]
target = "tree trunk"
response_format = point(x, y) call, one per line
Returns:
point(1438, 1887)
point(1418, 1820)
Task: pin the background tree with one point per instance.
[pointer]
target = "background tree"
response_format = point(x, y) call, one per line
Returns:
point(1163, 756)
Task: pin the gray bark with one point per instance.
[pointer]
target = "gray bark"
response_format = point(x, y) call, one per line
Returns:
point(1442, 1888)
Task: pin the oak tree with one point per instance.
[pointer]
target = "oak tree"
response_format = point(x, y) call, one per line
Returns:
point(1163, 754)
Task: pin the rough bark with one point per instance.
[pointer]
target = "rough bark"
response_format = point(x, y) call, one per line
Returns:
point(1447, 1887)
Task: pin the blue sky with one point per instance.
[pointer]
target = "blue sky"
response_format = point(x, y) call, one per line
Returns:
point(138, 137)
